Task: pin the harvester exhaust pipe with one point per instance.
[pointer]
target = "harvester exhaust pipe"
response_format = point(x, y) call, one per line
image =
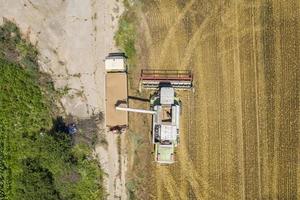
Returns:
point(137, 110)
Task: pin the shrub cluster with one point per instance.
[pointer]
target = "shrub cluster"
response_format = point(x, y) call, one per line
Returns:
point(36, 161)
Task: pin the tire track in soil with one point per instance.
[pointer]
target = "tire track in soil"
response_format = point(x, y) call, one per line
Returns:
point(171, 32)
point(288, 141)
point(145, 27)
point(249, 109)
point(255, 65)
point(196, 182)
point(277, 51)
point(198, 185)
point(169, 183)
point(224, 129)
point(194, 41)
point(159, 187)
point(238, 91)
point(200, 124)
point(212, 92)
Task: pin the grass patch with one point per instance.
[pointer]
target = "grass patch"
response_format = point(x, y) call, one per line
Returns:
point(37, 160)
point(131, 187)
point(126, 34)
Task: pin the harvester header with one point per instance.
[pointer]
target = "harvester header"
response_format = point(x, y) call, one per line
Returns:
point(153, 79)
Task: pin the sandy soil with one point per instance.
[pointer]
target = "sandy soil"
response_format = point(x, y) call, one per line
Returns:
point(240, 128)
point(73, 38)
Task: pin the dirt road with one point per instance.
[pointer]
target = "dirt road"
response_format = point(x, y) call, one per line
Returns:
point(73, 38)
point(240, 128)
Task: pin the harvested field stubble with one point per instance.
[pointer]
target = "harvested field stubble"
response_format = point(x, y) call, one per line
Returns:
point(240, 128)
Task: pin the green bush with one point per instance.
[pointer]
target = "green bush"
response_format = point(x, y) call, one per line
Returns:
point(126, 34)
point(37, 162)
point(32, 178)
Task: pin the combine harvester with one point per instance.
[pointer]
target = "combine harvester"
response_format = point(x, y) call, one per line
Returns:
point(165, 107)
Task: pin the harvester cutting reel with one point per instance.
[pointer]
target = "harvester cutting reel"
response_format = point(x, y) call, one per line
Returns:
point(154, 79)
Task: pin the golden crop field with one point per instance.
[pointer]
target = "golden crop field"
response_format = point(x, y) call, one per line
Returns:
point(240, 126)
